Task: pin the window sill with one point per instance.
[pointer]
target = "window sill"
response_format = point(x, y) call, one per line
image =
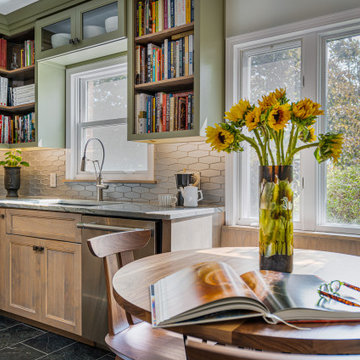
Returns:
point(111, 181)
point(297, 233)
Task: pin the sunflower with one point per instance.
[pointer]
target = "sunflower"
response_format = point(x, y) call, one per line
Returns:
point(219, 138)
point(268, 101)
point(237, 111)
point(278, 117)
point(279, 93)
point(308, 135)
point(306, 108)
point(330, 146)
point(252, 118)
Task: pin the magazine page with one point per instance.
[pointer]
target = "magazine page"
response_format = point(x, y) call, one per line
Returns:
point(296, 295)
point(196, 286)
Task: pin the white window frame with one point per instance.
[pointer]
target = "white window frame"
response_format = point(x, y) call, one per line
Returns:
point(313, 34)
point(74, 105)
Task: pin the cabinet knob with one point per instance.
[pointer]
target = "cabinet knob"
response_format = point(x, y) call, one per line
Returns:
point(76, 41)
point(35, 248)
point(41, 249)
point(71, 41)
point(2, 216)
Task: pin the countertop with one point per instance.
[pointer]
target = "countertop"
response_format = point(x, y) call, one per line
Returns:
point(109, 208)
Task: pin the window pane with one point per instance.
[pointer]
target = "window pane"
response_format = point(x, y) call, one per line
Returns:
point(120, 154)
point(266, 72)
point(106, 98)
point(343, 115)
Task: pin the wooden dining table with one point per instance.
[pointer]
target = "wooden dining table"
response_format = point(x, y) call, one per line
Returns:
point(131, 290)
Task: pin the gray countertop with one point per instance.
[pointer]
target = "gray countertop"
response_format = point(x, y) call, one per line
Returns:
point(109, 208)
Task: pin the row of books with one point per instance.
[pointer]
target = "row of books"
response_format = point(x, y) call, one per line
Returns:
point(158, 15)
point(174, 58)
point(17, 129)
point(27, 53)
point(22, 95)
point(164, 112)
point(21, 55)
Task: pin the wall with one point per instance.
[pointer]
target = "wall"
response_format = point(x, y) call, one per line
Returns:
point(244, 16)
point(169, 159)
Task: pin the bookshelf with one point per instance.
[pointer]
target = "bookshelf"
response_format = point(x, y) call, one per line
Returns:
point(17, 91)
point(206, 83)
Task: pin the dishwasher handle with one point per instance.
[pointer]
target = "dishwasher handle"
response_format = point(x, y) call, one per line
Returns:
point(95, 226)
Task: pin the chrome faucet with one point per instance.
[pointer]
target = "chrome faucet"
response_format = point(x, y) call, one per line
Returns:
point(100, 186)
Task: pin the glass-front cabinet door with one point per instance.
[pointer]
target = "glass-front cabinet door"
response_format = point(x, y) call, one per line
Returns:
point(100, 21)
point(55, 34)
point(88, 24)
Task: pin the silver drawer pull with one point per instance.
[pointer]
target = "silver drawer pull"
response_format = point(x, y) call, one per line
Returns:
point(95, 226)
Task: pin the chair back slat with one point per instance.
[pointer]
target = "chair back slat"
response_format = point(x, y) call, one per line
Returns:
point(115, 243)
point(117, 250)
point(205, 351)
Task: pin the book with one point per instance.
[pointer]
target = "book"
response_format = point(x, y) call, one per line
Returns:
point(213, 291)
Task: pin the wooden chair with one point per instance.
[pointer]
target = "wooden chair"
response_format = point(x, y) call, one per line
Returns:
point(136, 341)
point(206, 351)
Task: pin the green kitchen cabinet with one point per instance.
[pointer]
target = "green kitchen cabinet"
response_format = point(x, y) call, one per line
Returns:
point(85, 25)
point(207, 81)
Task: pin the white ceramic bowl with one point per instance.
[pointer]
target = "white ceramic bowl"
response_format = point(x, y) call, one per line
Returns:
point(111, 24)
point(60, 39)
point(93, 30)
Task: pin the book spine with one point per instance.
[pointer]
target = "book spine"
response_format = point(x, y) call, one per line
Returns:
point(188, 11)
point(186, 57)
point(149, 63)
point(192, 11)
point(168, 96)
point(177, 58)
point(166, 59)
point(140, 16)
point(191, 56)
point(143, 65)
point(137, 64)
point(172, 13)
point(161, 15)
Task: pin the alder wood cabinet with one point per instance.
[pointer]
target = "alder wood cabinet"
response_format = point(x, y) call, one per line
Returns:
point(43, 270)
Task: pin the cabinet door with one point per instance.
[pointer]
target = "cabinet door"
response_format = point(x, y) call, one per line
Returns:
point(100, 21)
point(23, 278)
point(55, 34)
point(61, 285)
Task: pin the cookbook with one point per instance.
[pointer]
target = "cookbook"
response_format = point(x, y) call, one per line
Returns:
point(212, 291)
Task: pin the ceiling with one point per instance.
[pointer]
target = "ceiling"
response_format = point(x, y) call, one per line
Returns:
point(8, 6)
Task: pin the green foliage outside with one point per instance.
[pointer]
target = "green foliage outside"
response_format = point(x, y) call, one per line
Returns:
point(343, 114)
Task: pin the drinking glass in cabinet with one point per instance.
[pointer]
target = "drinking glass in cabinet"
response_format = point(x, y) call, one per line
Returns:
point(56, 35)
point(100, 21)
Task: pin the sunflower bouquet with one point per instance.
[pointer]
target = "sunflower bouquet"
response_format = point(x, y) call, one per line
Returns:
point(277, 130)
point(266, 124)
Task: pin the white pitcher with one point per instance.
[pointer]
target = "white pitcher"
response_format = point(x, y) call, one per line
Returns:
point(191, 195)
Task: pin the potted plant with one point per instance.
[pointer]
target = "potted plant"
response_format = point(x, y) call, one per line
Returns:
point(12, 165)
point(277, 130)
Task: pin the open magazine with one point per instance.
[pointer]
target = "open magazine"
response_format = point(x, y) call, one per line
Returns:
point(212, 291)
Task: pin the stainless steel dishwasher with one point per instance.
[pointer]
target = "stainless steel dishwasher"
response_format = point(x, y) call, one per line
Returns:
point(94, 301)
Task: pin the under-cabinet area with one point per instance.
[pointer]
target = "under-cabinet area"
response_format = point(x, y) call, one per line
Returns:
point(48, 275)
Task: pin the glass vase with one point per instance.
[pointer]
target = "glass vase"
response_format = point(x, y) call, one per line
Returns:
point(276, 218)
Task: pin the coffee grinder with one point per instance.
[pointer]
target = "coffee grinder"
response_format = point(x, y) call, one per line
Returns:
point(185, 179)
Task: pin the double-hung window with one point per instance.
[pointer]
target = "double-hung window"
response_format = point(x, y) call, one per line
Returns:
point(322, 64)
point(97, 108)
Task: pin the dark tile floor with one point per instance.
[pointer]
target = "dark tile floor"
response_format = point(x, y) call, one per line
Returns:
point(19, 341)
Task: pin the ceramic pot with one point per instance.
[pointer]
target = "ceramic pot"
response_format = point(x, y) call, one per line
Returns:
point(276, 218)
point(12, 181)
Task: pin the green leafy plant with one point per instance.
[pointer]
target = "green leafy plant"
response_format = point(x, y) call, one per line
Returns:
point(13, 158)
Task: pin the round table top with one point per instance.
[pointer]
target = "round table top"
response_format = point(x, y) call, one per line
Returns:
point(131, 289)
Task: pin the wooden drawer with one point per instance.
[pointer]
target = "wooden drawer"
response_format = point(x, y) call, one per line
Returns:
point(43, 224)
